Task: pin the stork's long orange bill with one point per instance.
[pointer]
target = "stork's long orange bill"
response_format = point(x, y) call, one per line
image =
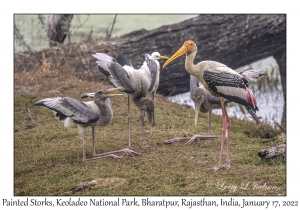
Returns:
point(180, 52)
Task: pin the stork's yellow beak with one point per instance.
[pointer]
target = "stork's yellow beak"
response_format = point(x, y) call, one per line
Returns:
point(114, 94)
point(163, 57)
point(183, 50)
point(108, 91)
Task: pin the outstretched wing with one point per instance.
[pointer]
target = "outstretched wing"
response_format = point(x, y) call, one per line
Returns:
point(115, 72)
point(78, 111)
point(251, 75)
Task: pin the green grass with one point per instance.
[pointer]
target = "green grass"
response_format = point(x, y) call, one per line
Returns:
point(48, 157)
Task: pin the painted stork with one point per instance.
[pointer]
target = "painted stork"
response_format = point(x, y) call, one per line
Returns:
point(80, 115)
point(136, 83)
point(205, 101)
point(221, 81)
point(156, 56)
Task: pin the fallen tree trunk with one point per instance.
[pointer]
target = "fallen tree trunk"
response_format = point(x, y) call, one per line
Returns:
point(272, 152)
point(235, 40)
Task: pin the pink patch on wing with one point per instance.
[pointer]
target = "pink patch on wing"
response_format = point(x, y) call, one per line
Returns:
point(250, 98)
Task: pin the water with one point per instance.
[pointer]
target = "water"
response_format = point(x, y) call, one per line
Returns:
point(267, 90)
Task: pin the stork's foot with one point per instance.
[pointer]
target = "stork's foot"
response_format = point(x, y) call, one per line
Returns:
point(98, 156)
point(145, 145)
point(112, 154)
point(201, 137)
point(129, 152)
point(170, 141)
point(190, 139)
point(226, 165)
point(217, 168)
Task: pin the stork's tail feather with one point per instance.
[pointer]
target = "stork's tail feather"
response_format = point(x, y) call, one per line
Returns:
point(251, 99)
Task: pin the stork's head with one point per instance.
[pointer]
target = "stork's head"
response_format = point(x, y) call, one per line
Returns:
point(157, 56)
point(103, 94)
point(198, 96)
point(187, 47)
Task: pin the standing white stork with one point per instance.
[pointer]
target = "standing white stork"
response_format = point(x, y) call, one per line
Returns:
point(156, 57)
point(136, 83)
point(80, 115)
point(221, 81)
point(152, 91)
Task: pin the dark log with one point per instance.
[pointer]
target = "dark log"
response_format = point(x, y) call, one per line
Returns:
point(235, 40)
point(272, 152)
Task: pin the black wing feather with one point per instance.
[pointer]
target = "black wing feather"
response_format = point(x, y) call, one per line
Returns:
point(122, 60)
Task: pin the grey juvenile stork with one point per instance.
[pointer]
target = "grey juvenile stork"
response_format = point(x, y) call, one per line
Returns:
point(204, 102)
point(136, 83)
point(80, 115)
point(220, 81)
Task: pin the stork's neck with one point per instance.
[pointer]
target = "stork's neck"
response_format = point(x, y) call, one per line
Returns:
point(139, 101)
point(189, 62)
point(106, 113)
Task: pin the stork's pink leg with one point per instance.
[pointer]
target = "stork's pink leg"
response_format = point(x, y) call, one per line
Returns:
point(128, 117)
point(143, 132)
point(224, 113)
point(228, 126)
point(83, 148)
point(93, 144)
point(209, 122)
